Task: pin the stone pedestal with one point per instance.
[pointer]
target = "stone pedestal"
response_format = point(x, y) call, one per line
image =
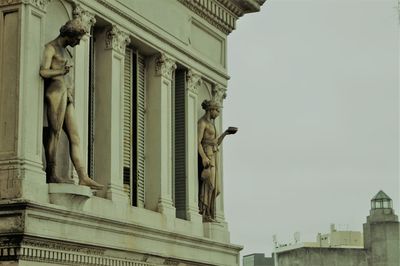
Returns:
point(70, 196)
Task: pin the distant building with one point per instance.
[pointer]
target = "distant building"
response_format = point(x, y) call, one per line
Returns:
point(340, 238)
point(379, 245)
point(257, 259)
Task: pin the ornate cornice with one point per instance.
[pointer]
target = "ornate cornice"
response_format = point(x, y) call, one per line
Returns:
point(117, 39)
point(218, 93)
point(164, 66)
point(193, 81)
point(222, 14)
point(213, 12)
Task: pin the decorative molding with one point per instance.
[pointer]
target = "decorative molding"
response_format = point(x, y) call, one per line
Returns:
point(193, 81)
point(117, 39)
point(218, 93)
point(165, 66)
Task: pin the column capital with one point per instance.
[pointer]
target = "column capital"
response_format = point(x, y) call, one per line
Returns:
point(116, 39)
point(165, 66)
point(219, 93)
point(40, 4)
point(78, 12)
point(194, 81)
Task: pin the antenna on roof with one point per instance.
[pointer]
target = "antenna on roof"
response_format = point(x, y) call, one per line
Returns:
point(296, 237)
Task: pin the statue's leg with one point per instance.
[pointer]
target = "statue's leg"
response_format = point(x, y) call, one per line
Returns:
point(56, 104)
point(71, 129)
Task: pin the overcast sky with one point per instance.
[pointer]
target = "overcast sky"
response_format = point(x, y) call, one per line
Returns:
point(314, 92)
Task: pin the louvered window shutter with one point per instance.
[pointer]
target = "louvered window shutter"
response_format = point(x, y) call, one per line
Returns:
point(180, 143)
point(134, 126)
point(140, 97)
point(90, 161)
point(127, 121)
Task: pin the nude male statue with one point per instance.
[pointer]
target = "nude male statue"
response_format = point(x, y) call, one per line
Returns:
point(208, 142)
point(60, 108)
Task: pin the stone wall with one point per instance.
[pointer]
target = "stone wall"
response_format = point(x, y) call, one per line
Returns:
point(323, 257)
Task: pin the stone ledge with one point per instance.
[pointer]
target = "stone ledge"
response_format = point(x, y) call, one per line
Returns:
point(120, 237)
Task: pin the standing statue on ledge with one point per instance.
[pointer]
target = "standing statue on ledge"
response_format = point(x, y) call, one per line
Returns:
point(208, 142)
point(60, 108)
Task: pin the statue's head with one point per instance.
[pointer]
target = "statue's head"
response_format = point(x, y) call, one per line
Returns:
point(73, 31)
point(212, 107)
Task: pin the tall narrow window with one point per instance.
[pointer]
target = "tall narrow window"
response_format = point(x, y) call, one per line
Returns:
point(91, 110)
point(127, 120)
point(134, 126)
point(180, 143)
point(140, 98)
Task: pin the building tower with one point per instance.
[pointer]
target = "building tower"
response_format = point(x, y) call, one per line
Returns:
point(381, 232)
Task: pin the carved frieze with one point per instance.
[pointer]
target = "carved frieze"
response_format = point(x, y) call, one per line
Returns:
point(117, 39)
point(193, 81)
point(165, 66)
point(58, 252)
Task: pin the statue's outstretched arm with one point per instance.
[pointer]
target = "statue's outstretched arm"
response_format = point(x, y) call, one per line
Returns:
point(229, 131)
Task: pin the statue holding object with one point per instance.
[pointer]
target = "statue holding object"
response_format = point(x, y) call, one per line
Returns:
point(208, 142)
point(60, 107)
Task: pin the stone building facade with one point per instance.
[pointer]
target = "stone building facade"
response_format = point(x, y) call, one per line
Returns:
point(138, 82)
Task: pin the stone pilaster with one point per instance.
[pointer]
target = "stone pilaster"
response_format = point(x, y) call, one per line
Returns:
point(21, 103)
point(110, 49)
point(159, 145)
point(193, 83)
point(219, 231)
point(81, 79)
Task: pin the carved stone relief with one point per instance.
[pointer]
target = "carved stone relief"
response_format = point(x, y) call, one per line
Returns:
point(193, 81)
point(117, 39)
point(219, 93)
point(165, 66)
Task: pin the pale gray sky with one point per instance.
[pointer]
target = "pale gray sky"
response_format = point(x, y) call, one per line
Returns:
point(314, 92)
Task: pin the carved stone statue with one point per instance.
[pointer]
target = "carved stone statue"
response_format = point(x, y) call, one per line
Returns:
point(208, 142)
point(60, 107)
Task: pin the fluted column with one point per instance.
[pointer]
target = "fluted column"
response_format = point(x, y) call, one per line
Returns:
point(159, 135)
point(109, 54)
